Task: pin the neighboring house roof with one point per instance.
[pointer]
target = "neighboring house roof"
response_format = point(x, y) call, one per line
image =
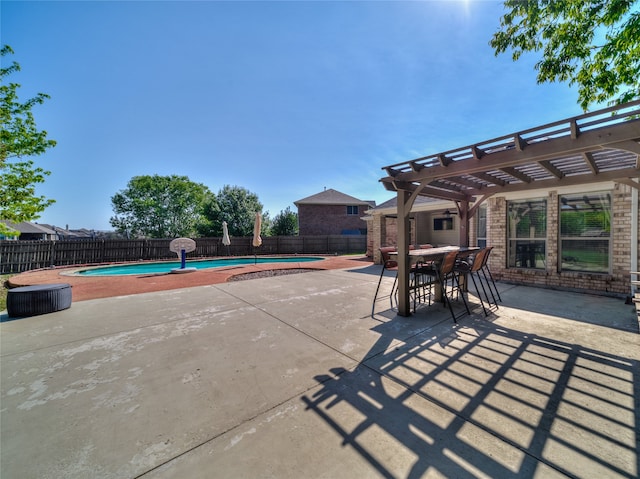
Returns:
point(332, 197)
point(26, 227)
point(422, 203)
point(71, 234)
point(84, 232)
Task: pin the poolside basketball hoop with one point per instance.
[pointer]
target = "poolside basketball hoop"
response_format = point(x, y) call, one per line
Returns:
point(182, 246)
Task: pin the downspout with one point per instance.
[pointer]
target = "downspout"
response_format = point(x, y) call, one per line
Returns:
point(634, 235)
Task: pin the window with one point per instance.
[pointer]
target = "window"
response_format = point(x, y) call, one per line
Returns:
point(440, 224)
point(585, 232)
point(352, 210)
point(481, 226)
point(527, 233)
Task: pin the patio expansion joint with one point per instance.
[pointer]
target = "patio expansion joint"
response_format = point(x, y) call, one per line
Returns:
point(280, 320)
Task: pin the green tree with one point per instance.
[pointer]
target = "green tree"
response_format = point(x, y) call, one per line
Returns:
point(285, 223)
point(20, 139)
point(159, 207)
point(235, 205)
point(592, 43)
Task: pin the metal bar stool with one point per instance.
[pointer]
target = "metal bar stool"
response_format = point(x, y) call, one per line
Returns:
point(473, 270)
point(422, 280)
point(387, 263)
point(445, 273)
point(485, 269)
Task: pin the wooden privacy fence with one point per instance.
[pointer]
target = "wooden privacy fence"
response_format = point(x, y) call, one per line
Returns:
point(20, 256)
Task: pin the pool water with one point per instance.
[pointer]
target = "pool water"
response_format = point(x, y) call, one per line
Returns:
point(167, 266)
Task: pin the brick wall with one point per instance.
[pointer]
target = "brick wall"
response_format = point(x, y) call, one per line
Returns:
point(616, 282)
point(385, 231)
point(328, 219)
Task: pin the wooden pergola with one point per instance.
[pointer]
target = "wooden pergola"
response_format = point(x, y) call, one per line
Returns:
point(600, 146)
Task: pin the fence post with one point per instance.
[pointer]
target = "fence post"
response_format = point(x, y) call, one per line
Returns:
point(102, 247)
point(52, 252)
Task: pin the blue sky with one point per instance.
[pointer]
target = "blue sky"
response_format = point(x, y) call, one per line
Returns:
point(281, 98)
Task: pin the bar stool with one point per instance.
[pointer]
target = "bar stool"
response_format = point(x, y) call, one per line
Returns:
point(485, 269)
point(446, 273)
point(473, 269)
point(387, 264)
point(422, 281)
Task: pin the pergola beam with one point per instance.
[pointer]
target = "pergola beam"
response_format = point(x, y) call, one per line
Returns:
point(575, 129)
point(489, 178)
point(632, 146)
point(466, 182)
point(446, 186)
point(517, 174)
point(427, 191)
point(590, 160)
point(477, 153)
point(534, 152)
point(444, 161)
point(519, 142)
point(547, 165)
point(629, 182)
point(614, 175)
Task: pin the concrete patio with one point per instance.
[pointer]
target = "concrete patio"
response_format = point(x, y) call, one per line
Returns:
point(291, 377)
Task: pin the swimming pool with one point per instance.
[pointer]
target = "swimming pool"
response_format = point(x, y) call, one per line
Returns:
point(167, 266)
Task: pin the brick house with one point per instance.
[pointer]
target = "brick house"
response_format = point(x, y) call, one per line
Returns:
point(331, 212)
point(556, 259)
point(558, 203)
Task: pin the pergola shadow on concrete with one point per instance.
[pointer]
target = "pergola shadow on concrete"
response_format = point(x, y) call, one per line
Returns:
point(599, 146)
point(290, 377)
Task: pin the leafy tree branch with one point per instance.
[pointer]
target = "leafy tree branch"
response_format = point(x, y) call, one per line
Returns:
point(594, 44)
point(19, 139)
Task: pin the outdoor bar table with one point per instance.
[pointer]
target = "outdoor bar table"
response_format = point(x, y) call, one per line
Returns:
point(436, 255)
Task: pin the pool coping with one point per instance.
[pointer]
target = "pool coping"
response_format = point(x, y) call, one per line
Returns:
point(77, 270)
point(95, 287)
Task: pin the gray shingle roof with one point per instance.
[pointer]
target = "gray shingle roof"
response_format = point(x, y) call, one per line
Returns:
point(26, 227)
point(332, 197)
point(393, 202)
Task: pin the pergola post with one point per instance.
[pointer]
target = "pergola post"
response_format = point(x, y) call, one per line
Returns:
point(404, 207)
